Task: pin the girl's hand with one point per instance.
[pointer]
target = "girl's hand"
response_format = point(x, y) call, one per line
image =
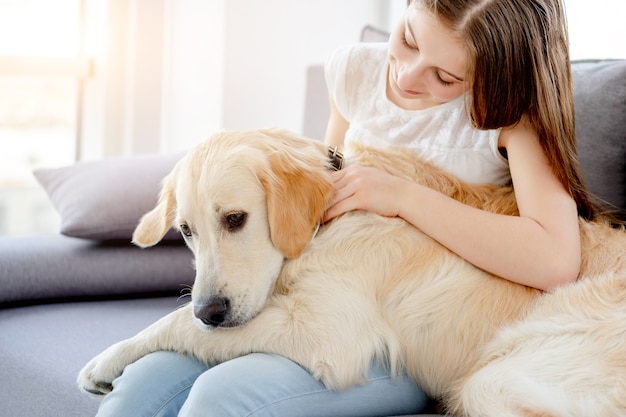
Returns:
point(365, 188)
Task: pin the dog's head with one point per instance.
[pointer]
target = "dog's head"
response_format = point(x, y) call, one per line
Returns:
point(243, 201)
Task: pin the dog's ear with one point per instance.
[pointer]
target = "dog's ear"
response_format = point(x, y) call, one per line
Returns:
point(297, 196)
point(156, 223)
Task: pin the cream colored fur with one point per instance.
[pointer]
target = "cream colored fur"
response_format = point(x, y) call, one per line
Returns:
point(372, 287)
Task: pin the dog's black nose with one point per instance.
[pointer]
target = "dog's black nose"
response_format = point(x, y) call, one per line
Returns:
point(212, 312)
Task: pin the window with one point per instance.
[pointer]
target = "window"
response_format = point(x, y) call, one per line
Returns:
point(40, 87)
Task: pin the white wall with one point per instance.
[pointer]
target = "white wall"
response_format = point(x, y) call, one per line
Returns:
point(269, 45)
point(596, 28)
point(168, 73)
point(252, 61)
point(194, 72)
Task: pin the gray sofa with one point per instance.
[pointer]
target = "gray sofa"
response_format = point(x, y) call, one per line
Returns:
point(65, 297)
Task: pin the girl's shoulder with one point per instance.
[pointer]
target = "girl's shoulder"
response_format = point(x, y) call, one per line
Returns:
point(358, 54)
point(356, 66)
point(355, 74)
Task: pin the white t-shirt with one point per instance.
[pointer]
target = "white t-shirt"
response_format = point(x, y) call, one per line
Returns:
point(357, 80)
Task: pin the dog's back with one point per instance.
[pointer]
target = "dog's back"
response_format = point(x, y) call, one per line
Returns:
point(443, 309)
point(438, 307)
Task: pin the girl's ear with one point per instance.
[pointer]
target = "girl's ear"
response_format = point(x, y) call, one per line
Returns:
point(156, 223)
point(297, 196)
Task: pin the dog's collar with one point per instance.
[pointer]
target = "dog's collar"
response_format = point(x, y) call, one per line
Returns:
point(336, 163)
point(336, 158)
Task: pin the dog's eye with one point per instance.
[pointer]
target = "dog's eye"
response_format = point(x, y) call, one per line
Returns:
point(235, 220)
point(185, 230)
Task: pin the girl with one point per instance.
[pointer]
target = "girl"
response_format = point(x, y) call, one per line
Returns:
point(481, 88)
point(455, 67)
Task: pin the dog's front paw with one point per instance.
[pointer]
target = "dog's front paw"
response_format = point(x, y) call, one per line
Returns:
point(98, 374)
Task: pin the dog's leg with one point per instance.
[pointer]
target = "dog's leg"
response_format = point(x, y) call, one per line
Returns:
point(167, 333)
point(309, 335)
point(335, 340)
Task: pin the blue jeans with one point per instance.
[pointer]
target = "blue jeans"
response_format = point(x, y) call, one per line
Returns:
point(168, 384)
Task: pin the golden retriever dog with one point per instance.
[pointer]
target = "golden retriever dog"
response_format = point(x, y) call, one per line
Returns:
point(367, 287)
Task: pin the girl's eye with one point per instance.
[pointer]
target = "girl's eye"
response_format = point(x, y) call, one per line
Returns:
point(406, 43)
point(441, 80)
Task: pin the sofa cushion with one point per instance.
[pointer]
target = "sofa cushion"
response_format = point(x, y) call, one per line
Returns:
point(104, 199)
point(600, 95)
point(43, 347)
point(53, 267)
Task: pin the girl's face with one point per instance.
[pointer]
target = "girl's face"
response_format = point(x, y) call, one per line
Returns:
point(427, 62)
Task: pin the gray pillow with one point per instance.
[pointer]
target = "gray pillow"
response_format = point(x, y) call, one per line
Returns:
point(103, 200)
point(600, 95)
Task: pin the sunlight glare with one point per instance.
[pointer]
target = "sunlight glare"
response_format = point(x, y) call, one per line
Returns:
point(39, 27)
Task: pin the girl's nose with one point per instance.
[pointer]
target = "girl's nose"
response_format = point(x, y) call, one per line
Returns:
point(411, 76)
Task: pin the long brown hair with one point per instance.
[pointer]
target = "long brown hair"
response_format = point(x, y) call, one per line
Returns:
point(519, 65)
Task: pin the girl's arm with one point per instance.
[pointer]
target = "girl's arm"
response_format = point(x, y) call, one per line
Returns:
point(336, 128)
point(540, 248)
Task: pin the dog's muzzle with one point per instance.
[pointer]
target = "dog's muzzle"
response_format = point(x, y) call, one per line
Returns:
point(212, 312)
